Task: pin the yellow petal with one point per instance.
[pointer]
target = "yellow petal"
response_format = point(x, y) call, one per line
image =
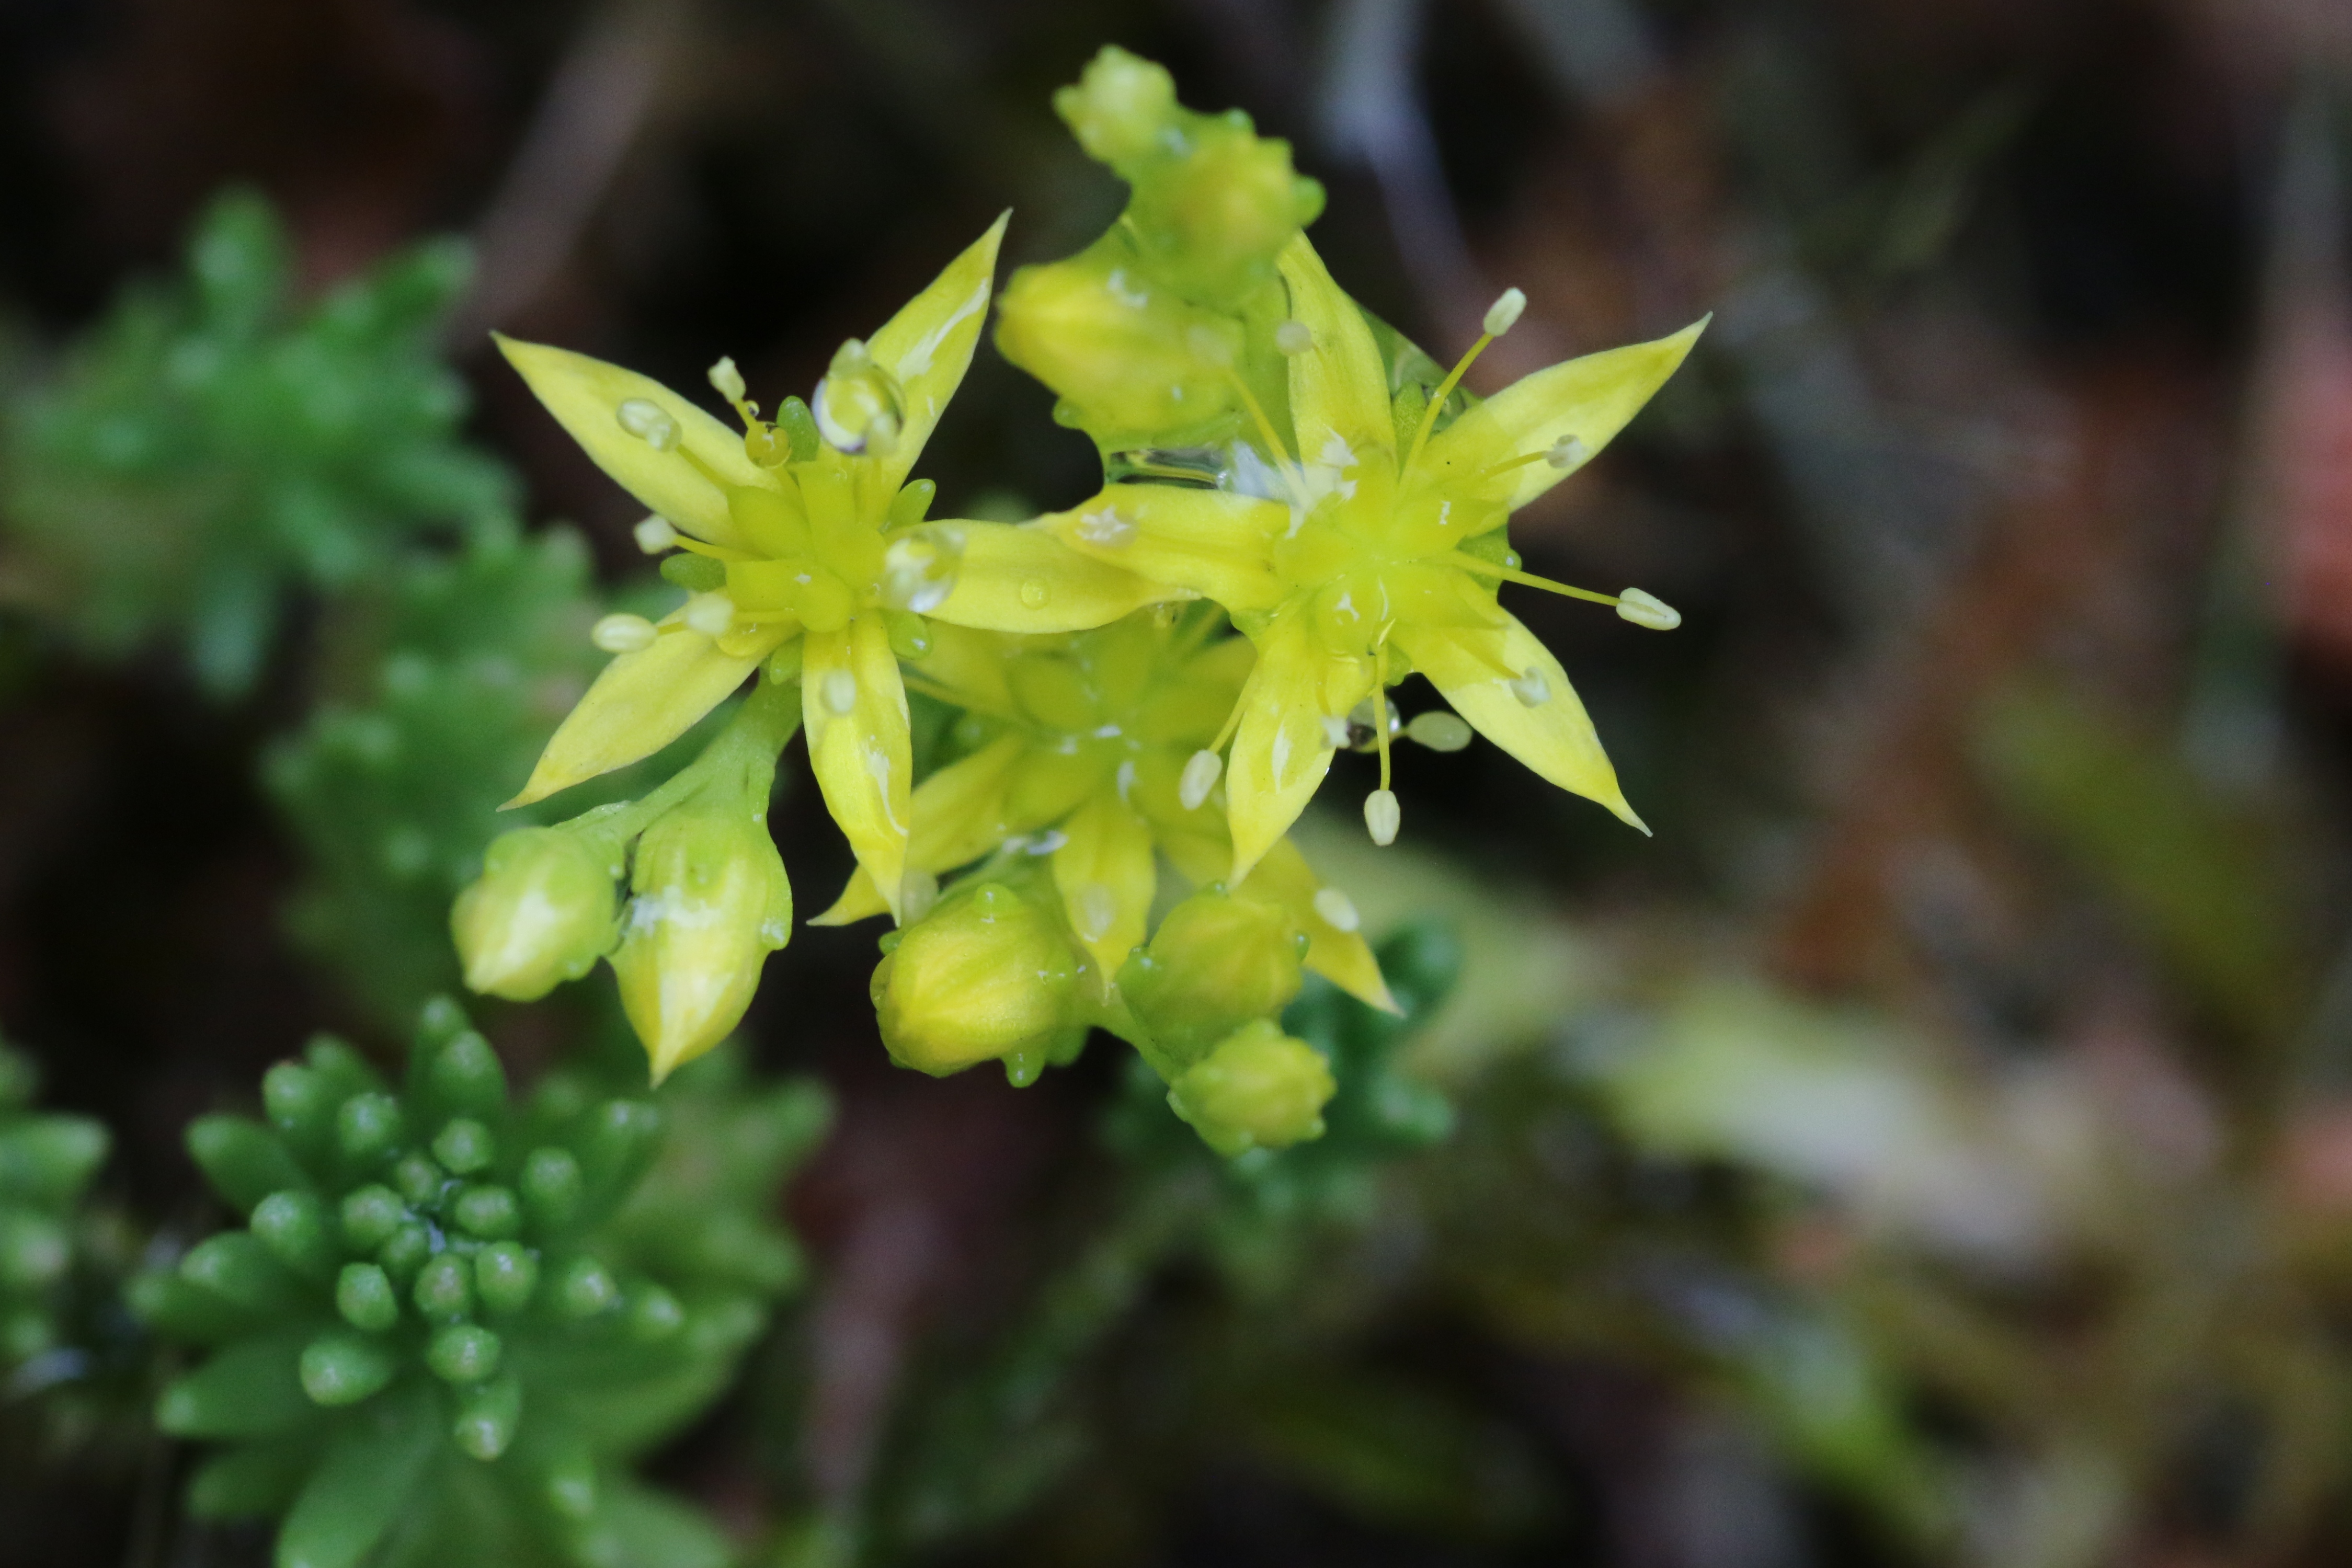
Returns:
point(1342, 957)
point(1220, 546)
point(971, 667)
point(642, 702)
point(586, 397)
point(858, 900)
point(959, 815)
point(1339, 387)
point(1554, 736)
point(1019, 578)
point(1588, 400)
point(927, 346)
point(1106, 877)
point(855, 713)
point(1281, 752)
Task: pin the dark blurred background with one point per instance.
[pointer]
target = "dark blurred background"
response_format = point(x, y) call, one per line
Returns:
point(1978, 997)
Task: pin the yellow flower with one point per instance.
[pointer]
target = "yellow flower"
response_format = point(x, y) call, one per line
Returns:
point(1371, 546)
point(813, 551)
point(1083, 744)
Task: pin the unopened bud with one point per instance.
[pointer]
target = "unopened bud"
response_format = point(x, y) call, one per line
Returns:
point(1119, 107)
point(623, 633)
point(1215, 963)
point(1136, 365)
point(655, 535)
point(1200, 777)
point(711, 902)
point(541, 913)
point(646, 419)
point(986, 974)
point(1643, 609)
point(1259, 1088)
point(1505, 312)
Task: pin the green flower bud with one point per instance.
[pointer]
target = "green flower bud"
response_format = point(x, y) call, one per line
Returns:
point(542, 912)
point(1259, 1088)
point(1119, 108)
point(487, 1420)
point(1132, 361)
point(365, 1297)
point(464, 1353)
point(711, 903)
point(504, 1276)
point(339, 1368)
point(985, 974)
point(1216, 963)
point(1211, 225)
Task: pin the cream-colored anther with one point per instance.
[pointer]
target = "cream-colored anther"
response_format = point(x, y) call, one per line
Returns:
point(1382, 816)
point(623, 633)
point(1200, 777)
point(1335, 731)
point(1338, 910)
point(840, 692)
point(655, 535)
point(710, 613)
point(1294, 338)
point(1532, 688)
point(644, 418)
point(1505, 312)
point(1644, 609)
point(727, 381)
point(1566, 453)
point(1439, 730)
point(918, 893)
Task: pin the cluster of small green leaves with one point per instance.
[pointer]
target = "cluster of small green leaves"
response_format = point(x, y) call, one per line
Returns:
point(47, 1161)
point(450, 1319)
point(211, 447)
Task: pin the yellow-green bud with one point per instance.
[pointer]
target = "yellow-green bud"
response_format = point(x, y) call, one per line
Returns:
point(1213, 223)
point(986, 974)
point(1260, 1089)
point(1119, 107)
point(711, 903)
point(1215, 963)
point(1124, 352)
point(541, 912)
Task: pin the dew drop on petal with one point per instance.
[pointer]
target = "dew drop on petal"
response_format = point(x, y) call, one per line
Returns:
point(1338, 910)
point(1532, 689)
point(1032, 595)
point(644, 418)
point(1108, 527)
point(1200, 770)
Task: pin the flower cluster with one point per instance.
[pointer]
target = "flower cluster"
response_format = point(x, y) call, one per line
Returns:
point(1300, 511)
point(449, 1318)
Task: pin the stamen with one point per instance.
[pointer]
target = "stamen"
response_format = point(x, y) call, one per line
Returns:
point(1382, 816)
point(919, 892)
point(1439, 730)
point(1454, 379)
point(840, 692)
point(655, 535)
point(1380, 710)
point(1338, 910)
point(1294, 338)
point(1563, 454)
point(1505, 312)
point(727, 382)
point(1334, 732)
point(1533, 688)
point(1098, 906)
point(1200, 770)
point(710, 613)
point(1471, 564)
point(644, 418)
point(1644, 609)
point(623, 633)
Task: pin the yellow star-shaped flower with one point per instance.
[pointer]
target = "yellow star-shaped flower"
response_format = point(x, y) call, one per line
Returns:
point(1373, 547)
point(823, 549)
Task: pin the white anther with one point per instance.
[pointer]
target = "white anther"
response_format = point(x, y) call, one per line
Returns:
point(1108, 527)
point(1566, 453)
point(1505, 312)
point(840, 691)
point(1335, 731)
point(727, 381)
point(1294, 338)
point(710, 613)
point(1209, 347)
point(644, 420)
point(1532, 689)
point(1644, 609)
point(918, 891)
point(1200, 770)
point(623, 633)
point(655, 535)
point(1438, 730)
point(1095, 907)
point(1382, 816)
point(1338, 910)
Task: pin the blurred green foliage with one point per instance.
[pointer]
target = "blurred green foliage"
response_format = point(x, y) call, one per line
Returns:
point(46, 1162)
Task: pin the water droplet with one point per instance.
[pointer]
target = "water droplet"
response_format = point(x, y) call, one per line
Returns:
point(644, 418)
point(1294, 338)
point(1033, 594)
point(1108, 527)
point(1532, 689)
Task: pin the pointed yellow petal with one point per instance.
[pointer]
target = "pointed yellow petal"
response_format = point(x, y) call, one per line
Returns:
point(641, 703)
point(927, 346)
point(1019, 578)
point(960, 811)
point(1339, 387)
point(971, 667)
point(1106, 877)
point(1587, 400)
point(1281, 751)
point(855, 713)
point(1342, 957)
point(1553, 735)
point(586, 397)
point(858, 900)
point(1220, 546)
